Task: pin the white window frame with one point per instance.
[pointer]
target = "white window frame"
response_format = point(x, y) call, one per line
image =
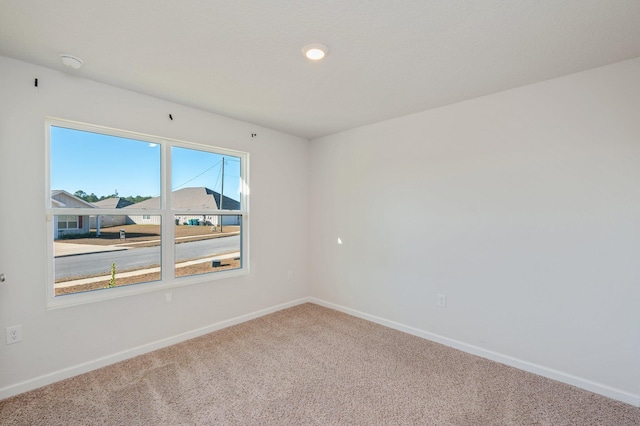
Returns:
point(165, 212)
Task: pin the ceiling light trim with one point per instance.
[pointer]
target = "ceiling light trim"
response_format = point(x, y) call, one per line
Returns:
point(315, 52)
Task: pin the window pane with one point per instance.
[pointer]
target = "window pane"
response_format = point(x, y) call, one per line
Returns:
point(107, 251)
point(204, 180)
point(88, 167)
point(207, 244)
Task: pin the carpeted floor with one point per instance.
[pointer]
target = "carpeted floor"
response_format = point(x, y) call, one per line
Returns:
point(309, 365)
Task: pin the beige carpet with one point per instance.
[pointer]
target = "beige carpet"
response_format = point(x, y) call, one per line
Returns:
point(309, 365)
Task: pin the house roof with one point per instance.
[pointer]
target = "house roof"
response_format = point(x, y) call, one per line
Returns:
point(112, 203)
point(200, 198)
point(61, 198)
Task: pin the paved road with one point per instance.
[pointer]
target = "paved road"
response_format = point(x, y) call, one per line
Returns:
point(96, 263)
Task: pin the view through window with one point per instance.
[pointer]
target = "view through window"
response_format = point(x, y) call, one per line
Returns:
point(114, 221)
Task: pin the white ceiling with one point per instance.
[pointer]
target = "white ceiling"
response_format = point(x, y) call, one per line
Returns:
point(243, 58)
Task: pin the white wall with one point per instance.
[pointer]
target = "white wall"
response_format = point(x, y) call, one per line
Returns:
point(55, 340)
point(522, 207)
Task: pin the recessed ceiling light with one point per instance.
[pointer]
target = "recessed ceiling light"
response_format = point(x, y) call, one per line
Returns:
point(71, 61)
point(315, 52)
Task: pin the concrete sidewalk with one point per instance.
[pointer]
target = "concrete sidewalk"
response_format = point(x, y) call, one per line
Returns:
point(143, 271)
point(71, 249)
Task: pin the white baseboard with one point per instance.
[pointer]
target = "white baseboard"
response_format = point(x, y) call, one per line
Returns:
point(550, 373)
point(75, 370)
point(72, 371)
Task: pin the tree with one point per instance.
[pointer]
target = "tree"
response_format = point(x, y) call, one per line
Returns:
point(90, 198)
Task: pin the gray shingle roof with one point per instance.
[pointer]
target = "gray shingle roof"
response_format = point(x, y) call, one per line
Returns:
point(112, 203)
point(62, 198)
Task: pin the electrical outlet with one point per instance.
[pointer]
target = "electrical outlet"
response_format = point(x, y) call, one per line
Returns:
point(14, 334)
point(442, 300)
point(290, 275)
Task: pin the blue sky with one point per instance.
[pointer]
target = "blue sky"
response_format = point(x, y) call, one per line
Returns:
point(102, 164)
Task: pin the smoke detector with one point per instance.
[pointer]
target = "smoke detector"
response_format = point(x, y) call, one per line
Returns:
point(71, 61)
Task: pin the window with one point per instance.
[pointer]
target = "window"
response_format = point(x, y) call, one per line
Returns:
point(140, 212)
point(194, 206)
point(68, 222)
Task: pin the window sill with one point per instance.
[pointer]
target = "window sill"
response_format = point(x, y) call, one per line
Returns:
point(76, 299)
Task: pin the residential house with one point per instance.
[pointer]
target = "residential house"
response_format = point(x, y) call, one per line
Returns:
point(190, 199)
point(107, 221)
point(68, 224)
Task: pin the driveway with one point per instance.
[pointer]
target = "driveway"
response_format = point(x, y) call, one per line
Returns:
point(71, 249)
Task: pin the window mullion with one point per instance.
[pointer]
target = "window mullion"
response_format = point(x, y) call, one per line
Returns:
point(168, 228)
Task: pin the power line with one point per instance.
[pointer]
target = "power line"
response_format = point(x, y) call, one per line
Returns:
point(196, 177)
